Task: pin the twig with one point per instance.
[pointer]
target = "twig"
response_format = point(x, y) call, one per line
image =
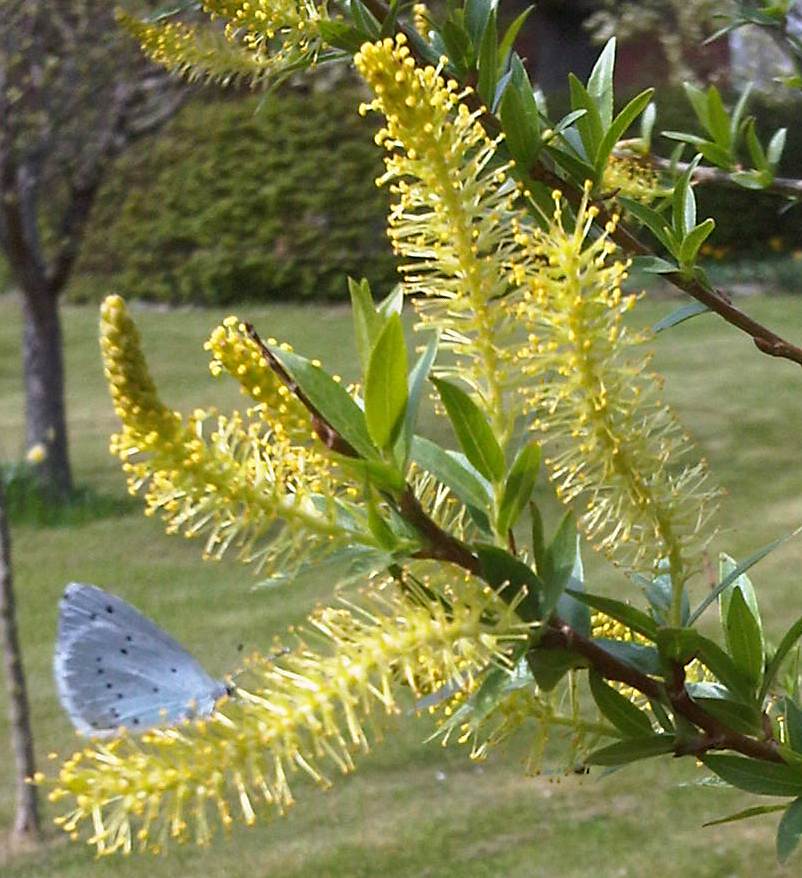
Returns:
point(785, 186)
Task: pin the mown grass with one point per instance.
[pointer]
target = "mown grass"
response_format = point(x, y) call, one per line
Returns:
point(412, 809)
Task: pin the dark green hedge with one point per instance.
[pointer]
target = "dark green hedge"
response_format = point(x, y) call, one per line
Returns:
point(244, 198)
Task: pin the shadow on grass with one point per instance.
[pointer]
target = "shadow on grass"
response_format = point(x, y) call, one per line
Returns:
point(27, 503)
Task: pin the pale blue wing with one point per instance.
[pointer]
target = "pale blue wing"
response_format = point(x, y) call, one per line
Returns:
point(114, 667)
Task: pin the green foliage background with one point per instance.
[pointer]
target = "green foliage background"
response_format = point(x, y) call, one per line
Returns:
point(256, 197)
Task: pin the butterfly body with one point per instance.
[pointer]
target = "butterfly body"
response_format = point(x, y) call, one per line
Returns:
point(115, 668)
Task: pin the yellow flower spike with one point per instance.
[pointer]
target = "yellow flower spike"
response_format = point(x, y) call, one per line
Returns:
point(453, 220)
point(233, 351)
point(262, 38)
point(304, 710)
point(632, 178)
point(615, 450)
point(234, 483)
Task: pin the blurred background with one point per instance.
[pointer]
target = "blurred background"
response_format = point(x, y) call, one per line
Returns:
point(260, 205)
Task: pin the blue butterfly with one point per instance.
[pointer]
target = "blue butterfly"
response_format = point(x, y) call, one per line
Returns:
point(115, 668)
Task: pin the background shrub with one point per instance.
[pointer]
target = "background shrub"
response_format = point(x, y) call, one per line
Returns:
point(243, 198)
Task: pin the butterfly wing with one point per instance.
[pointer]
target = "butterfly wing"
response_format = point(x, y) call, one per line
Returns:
point(114, 667)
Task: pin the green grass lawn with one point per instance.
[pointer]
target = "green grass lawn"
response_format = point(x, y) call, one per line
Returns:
point(412, 809)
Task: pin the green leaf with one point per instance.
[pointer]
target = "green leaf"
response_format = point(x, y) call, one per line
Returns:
point(621, 712)
point(692, 309)
point(506, 573)
point(518, 487)
point(742, 583)
point(341, 35)
point(383, 533)
point(776, 147)
point(568, 608)
point(392, 303)
point(694, 240)
point(643, 658)
point(678, 644)
point(762, 778)
point(632, 750)
point(448, 469)
point(713, 657)
point(457, 43)
point(619, 126)
point(538, 537)
point(367, 322)
point(755, 811)
point(473, 431)
point(738, 113)
point(654, 221)
point(331, 399)
point(520, 118)
point(718, 120)
point(386, 384)
point(786, 644)
point(741, 716)
point(590, 125)
point(735, 573)
point(759, 158)
point(508, 40)
point(487, 62)
point(647, 125)
point(417, 381)
point(789, 831)
point(698, 100)
point(744, 638)
point(549, 666)
point(793, 724)
point(683, 212)
point(477, 13)
point(632, 617)
point(600, 83)
point(654, 265)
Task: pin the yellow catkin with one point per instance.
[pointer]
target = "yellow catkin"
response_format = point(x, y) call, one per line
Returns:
point(260, 39)
point(615, 450)
point(306, 712)
point(232, 478)
point(451, 222)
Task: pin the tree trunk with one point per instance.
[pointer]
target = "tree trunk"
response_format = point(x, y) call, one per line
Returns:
point(26, 823)
point(43, 365)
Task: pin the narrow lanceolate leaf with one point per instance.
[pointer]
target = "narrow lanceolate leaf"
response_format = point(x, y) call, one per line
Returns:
point(621, 712)
point(367, 321)
point(731, 575)
point(789, 831)
point(386, 384)
point(744, 638)
point(417, 381)
point(518, 487)
point(520, 117)
point(755, 811)
point(600, 82)
point(505, 572)
point(632, 617)
point(632, 750)
point(330, 399)
point(762, 778)
point(473, 431)
point(793, 724)
point(449, 469)
point(786, 644)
